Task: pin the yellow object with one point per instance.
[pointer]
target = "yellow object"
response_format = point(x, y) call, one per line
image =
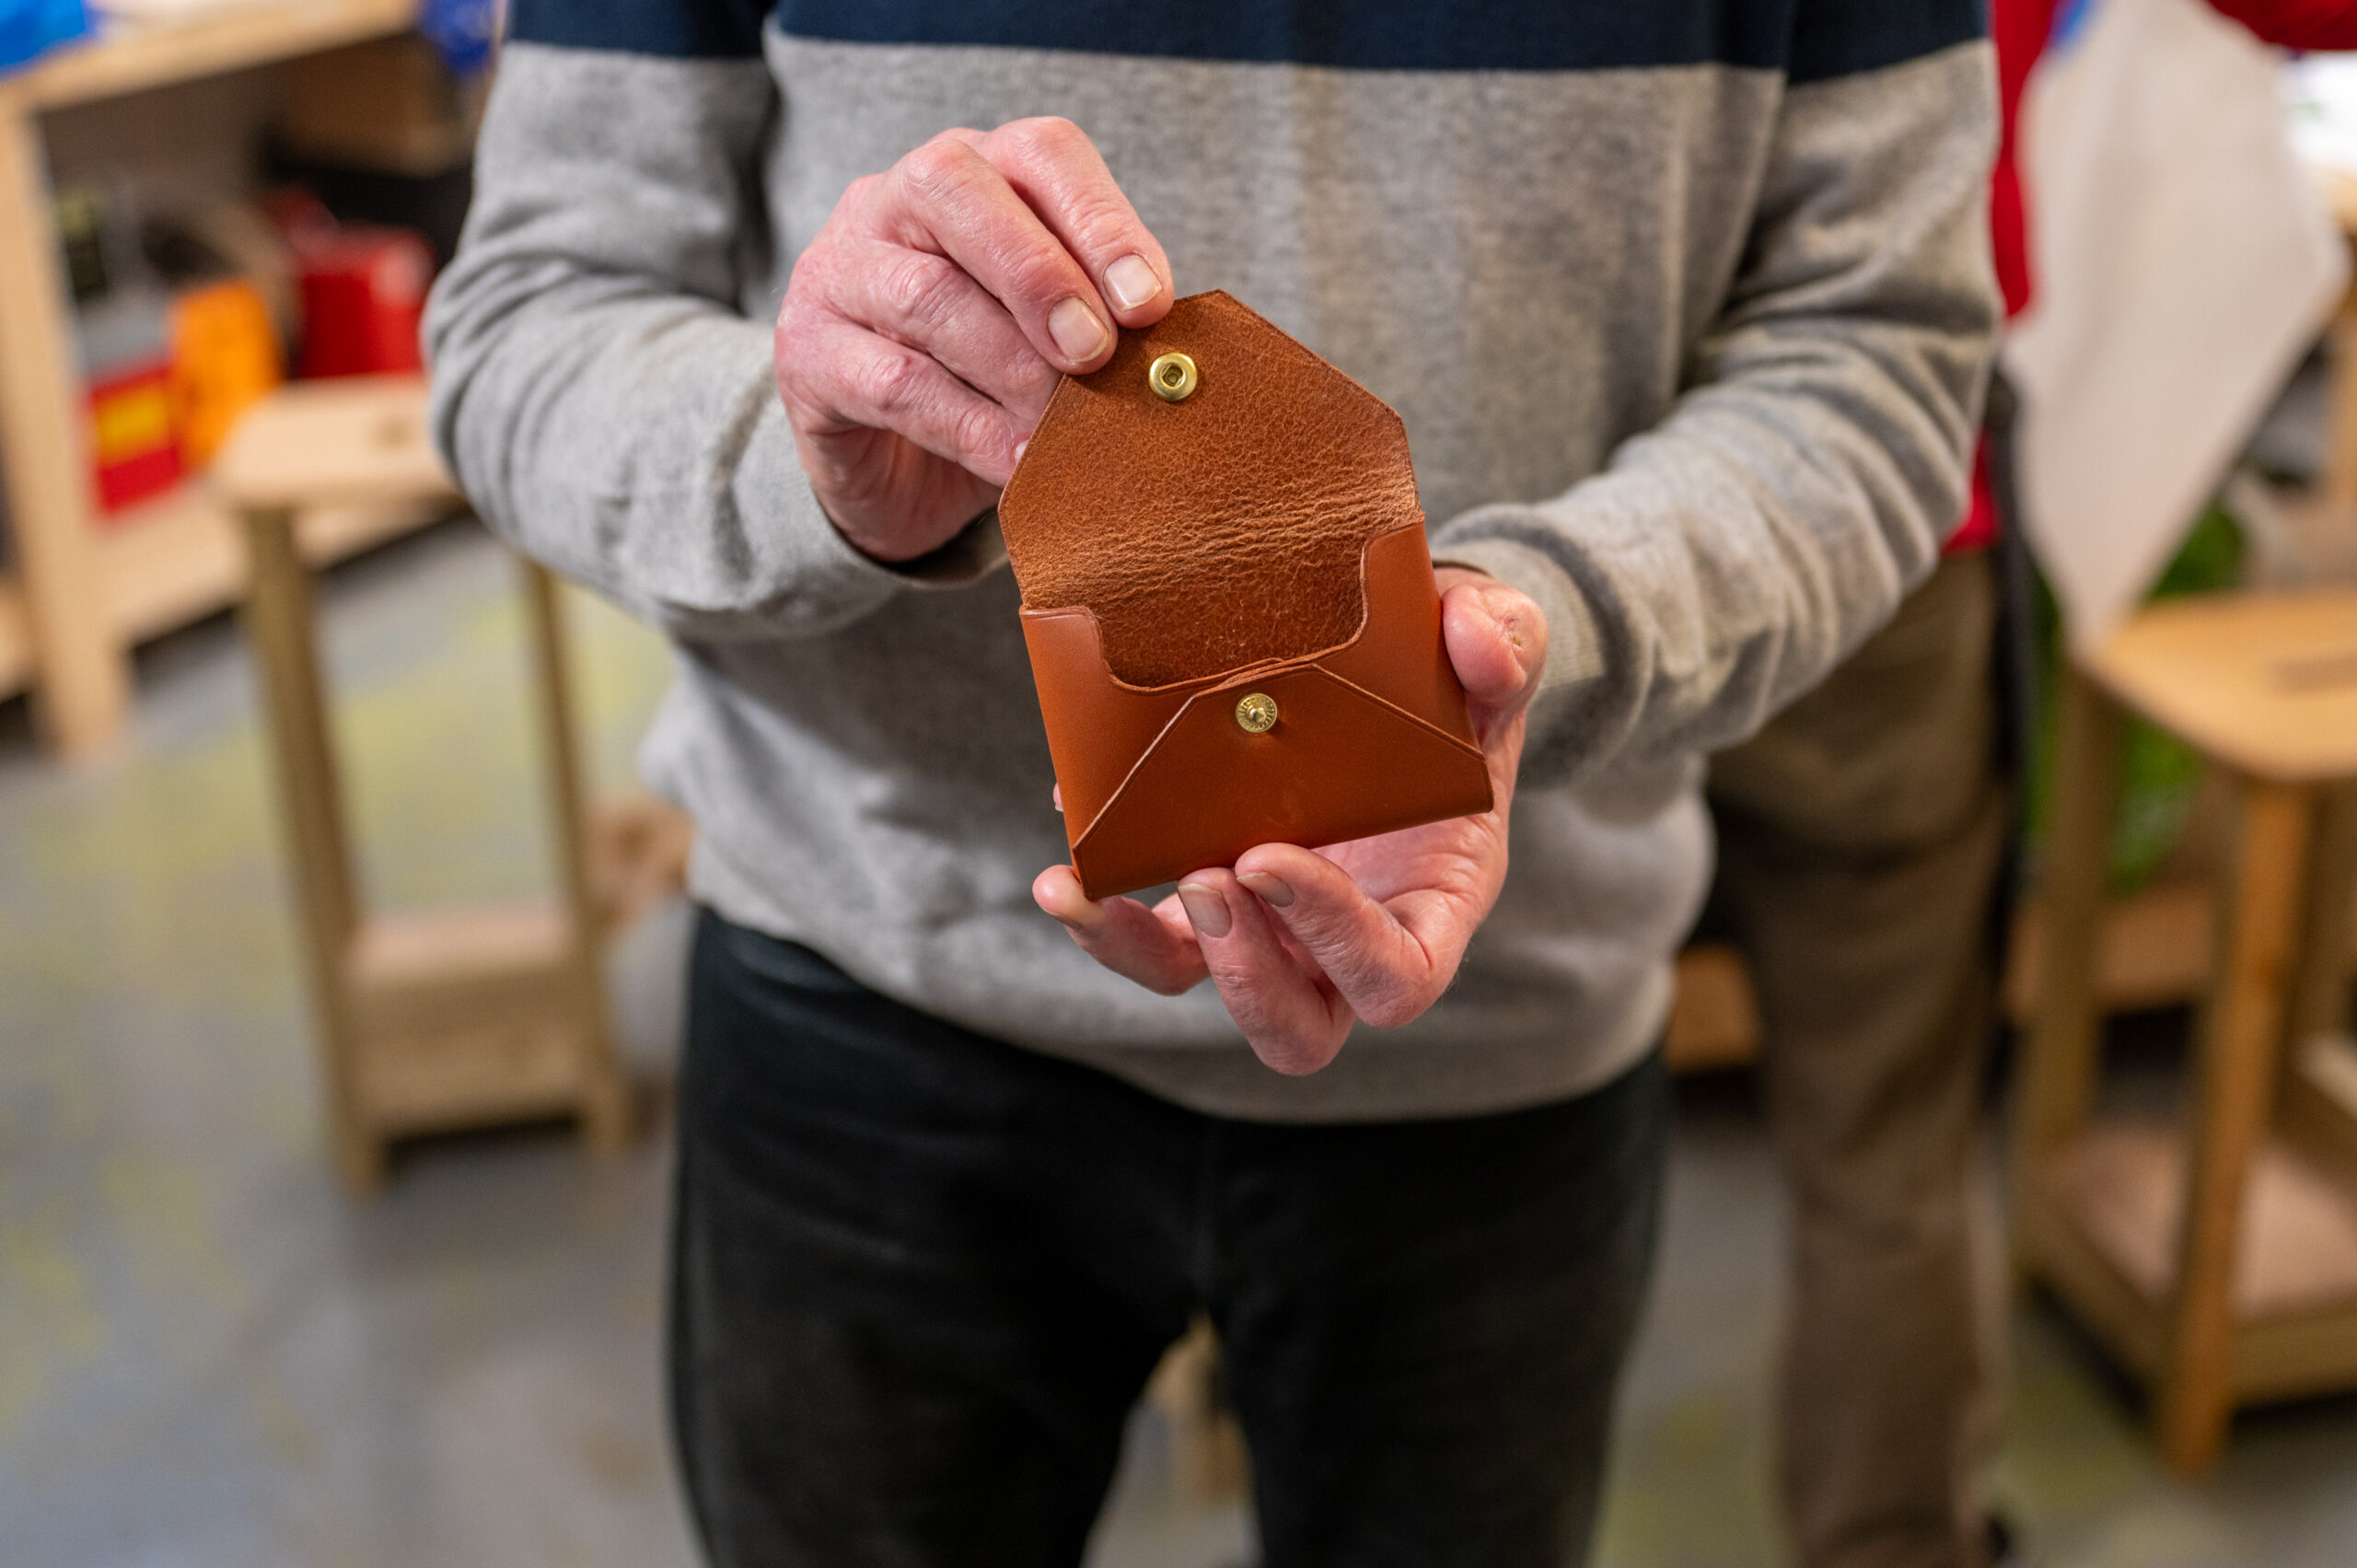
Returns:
point(130, 421)
point(1172, 376)
point(1256, 713)
point(225, 357)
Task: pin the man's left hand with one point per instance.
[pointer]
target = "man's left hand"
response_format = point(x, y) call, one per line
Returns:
point(1302, 944)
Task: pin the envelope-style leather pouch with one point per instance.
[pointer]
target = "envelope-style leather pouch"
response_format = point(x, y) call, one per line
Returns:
point(1229, 606)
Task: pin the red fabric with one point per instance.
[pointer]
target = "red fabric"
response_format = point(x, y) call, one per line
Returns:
point(2295, 23)
point(1978, 530)
point(2019, 29)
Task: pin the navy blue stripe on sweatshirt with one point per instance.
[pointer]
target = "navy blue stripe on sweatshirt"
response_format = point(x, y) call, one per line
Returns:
point(692, 29)
point(1808, 40)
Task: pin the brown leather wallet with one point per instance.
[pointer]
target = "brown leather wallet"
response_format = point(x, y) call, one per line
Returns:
point(1230, 607)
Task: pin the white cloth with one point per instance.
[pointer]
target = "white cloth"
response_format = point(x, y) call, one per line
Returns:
point(2182, 260)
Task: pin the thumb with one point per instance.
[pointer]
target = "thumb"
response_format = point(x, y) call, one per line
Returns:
point(1496, 639)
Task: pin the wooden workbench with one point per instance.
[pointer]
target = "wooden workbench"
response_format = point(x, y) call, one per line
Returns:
point(73, 597)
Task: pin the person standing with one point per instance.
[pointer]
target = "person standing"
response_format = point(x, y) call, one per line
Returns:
point(1862, 838)
point(1687, 311)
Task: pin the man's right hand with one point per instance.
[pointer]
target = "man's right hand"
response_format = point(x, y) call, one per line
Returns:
point(927, 323)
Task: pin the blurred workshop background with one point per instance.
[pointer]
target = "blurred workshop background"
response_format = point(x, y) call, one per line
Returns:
point(339, 954)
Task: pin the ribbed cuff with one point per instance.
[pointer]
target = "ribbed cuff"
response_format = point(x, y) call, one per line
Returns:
point(1573, 652)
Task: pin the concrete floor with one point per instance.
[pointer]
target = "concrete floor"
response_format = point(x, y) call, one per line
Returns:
point(208, 1358)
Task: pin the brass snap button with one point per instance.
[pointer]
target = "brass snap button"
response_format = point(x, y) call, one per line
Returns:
point(1172, 376)
point(1256, 714)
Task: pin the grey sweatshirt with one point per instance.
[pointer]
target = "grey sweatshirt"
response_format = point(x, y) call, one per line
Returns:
point(1686, 307)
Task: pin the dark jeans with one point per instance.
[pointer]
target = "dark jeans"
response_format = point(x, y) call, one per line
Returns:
point(920, 1277)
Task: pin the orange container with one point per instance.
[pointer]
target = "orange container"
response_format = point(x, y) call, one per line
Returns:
point(225, 357)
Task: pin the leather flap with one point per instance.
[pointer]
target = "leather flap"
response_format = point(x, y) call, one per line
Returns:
point(1098, 728)
point(1342, 763)
point(1215, 533)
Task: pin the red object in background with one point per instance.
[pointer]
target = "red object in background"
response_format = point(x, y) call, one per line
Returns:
point(133, 454)
point(362, 293)
point(2020, 29)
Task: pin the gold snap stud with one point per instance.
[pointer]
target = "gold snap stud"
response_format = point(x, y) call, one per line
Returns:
point(1256, 714)
point(1172, 376)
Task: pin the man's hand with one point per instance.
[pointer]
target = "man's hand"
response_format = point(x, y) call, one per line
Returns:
point(927, 323)
point(1304, 944)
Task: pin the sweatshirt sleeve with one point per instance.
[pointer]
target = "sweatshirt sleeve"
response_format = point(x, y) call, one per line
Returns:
point(598, 390)
point(1727, 559)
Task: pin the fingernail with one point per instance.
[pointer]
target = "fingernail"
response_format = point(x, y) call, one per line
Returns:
point(1077, 329)
point(1270, 889)
point(1206, 910)
point(1132, 281)
point(1088, 918)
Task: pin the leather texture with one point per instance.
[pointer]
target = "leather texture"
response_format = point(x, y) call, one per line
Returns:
point(1262, 535)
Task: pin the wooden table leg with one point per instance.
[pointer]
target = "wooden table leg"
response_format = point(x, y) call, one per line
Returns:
point(2055, 1085)
point(279, 621)
point(2340, 412)
point(605, 1114)
point(82, 681)
point(2233, 1094)
point(2320, 997)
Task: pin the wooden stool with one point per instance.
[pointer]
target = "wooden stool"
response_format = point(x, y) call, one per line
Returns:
point(451, 1020)
point(2219, 1263)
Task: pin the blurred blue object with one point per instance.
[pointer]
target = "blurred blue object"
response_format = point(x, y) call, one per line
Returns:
point(2071, 20)
point(461, 30)
point(29, 26)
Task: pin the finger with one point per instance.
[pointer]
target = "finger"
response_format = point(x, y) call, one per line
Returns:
point(1058, 171)
point(928, 302)
point(947, 197)
point(1389, 961)
point(1294, 1021)
point(1153, 947)
point(1497, 643)
point(857, 381)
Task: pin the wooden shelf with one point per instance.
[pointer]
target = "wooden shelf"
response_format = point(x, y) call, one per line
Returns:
point(179, 558)
point(82, 592)
point(1714, 1016)
point(129, 56)
point(2104, 1224)
point(2105, 1229)
point(461, 1017)
point(170, 561)
point(176, 559)
point(2157, 949)
point(2123, 1187)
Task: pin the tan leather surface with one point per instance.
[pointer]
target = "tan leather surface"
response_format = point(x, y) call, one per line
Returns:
point(1304, 575)
point(1099, 729)
point(1340, 764)
point(1214, 532)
